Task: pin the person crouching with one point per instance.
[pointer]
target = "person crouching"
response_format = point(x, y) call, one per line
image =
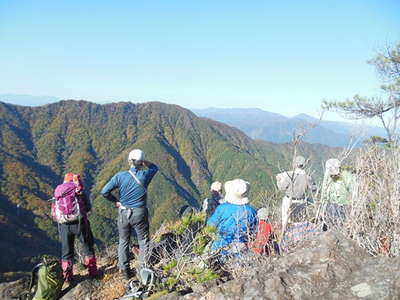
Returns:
point(264, 232)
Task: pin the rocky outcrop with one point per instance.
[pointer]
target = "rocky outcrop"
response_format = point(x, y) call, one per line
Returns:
point(82, 290)
point(327, 267)
point(12, 290)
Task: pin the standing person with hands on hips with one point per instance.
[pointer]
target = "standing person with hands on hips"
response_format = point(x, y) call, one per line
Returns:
point(132, 210)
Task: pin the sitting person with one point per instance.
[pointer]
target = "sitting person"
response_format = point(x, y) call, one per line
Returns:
point(211, 203)
point(264, 233)
point(234, 219)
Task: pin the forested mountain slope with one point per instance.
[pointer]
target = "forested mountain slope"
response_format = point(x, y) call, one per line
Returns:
point(39, 144)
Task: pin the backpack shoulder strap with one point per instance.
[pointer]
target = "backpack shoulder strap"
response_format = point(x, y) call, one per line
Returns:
point(34, 275)
point(72, 189)
point(137, 179)
point(68, 191)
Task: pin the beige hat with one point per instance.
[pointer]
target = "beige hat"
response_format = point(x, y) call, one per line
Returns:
point(216, 186)
point(236, 191)
point(262, 213)
point(332, 167)
point(299, 161)
point(136, 154)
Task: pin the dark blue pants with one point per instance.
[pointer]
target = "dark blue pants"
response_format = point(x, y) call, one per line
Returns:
point(69, 231)
point(137, 220)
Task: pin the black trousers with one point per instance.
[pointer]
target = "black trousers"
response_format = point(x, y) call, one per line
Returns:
point(137, 220)
point(69, 231)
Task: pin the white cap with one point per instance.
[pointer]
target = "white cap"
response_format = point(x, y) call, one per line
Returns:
point(332, 166)
point(136, 154)
point(236, 191)
point(299, 161)
point(216, 186)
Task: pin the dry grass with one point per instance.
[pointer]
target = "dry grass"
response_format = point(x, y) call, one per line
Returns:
point(112, 285)
point(373, 213)
point(374, 210)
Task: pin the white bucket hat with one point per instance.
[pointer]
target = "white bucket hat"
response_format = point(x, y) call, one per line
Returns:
point(332, 167)
point(216, 186)
point(262, 213)
point(236, 191)
point(136, 154)
point(299, 161)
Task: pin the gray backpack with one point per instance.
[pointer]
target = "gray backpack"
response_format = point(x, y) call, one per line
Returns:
point(139, 289)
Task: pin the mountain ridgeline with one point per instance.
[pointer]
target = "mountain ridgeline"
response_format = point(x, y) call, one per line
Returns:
point(39, 144)
point(276, 128)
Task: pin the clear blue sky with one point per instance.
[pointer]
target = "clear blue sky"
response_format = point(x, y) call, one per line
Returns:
point(280, 56)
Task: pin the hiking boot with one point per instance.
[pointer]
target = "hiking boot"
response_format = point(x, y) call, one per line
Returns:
point(91, 265)
point(66, 266)
point(127, 273)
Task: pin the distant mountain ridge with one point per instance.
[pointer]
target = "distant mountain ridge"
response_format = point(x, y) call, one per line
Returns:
point(257, 123)
point(276, 128)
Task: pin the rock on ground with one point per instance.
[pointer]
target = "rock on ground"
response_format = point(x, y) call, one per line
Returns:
point(10, 290)
point(327, 267)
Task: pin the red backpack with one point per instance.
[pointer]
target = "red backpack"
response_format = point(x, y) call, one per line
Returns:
point(66, 207)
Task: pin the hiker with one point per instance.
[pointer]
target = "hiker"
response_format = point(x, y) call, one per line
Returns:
point(70, 210)
point(264, 233)
point(234, 219)
point(337, 189)
point(297, 185)
point(132, 210)
point(211, 203)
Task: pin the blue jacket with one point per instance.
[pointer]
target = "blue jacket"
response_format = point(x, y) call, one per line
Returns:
point(233, 223)
point(131, 194)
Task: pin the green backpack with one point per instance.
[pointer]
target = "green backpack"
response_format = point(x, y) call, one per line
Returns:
point(46, 281)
